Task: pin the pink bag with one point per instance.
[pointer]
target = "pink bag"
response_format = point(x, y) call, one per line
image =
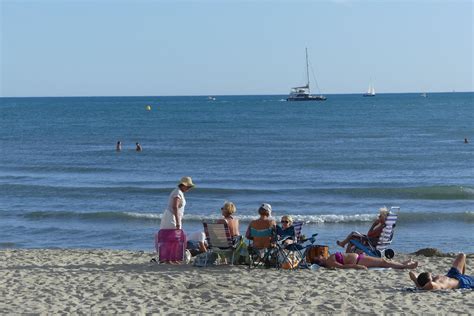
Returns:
point(170, 244)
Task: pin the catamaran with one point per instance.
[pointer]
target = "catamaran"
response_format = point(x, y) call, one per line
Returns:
point(303, 93)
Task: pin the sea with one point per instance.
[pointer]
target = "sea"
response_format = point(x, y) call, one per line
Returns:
point(331, 164)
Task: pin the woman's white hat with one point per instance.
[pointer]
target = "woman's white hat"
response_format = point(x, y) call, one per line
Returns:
point(266, 207)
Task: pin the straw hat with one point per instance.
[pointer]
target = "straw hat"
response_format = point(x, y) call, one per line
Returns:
point(187, 181)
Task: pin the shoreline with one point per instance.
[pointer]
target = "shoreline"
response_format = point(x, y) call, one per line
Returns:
point(120, 281)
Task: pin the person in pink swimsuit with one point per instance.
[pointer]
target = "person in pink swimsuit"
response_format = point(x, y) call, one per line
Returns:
point(341, 260)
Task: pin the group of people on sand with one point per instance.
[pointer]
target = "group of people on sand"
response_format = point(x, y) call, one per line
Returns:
point(174, 212)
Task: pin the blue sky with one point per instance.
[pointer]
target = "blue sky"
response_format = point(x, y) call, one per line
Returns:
point(105, 48)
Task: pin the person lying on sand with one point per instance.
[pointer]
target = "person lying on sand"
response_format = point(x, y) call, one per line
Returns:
point(454, 279)
point(341, 260)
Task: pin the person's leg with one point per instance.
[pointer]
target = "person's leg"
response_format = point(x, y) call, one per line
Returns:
point(349, 237)
point(373, 262)
point(460, 263)
point(202, 247)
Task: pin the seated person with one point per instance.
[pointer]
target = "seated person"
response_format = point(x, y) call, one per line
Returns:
point(341, 260)
point(454, 279)
point(373, 234)
point(286, 232)
point(263, 222)
point(233, 223)
point(196, 243)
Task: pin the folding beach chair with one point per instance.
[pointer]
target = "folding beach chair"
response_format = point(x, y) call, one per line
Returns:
point(220, 241)
point(298, 226)
point(380, 247)
point(303, 248)
point(170, 245)
point(291, 255)
point(262, 248)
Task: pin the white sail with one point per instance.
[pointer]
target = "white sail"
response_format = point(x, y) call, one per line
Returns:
point(371, 90)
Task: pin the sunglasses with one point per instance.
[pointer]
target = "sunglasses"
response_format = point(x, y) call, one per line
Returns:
point(284, 222)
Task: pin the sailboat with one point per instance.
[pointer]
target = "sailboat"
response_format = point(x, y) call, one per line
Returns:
point(303, 93)
point(370, 91)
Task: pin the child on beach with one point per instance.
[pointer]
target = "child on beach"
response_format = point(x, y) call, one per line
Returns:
point(454, 279)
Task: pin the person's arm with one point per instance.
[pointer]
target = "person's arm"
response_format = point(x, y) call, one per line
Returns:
point(428, 286)
point(432, 286)
point(247, 233)
point(237, 228)
point(176, 202)
point(376, 229)
point(414, 278)
point(350, 266)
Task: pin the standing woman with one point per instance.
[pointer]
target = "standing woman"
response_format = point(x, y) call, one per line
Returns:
point(173, 215)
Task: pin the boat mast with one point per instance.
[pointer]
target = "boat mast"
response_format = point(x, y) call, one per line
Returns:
point(307, 71)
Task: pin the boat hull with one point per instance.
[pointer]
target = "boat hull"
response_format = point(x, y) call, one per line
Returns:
point(368, 95)
point(310, 98)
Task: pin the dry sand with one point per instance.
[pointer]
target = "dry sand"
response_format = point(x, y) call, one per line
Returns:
point(105, 281)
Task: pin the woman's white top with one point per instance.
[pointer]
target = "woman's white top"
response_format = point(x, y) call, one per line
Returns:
point(168, 220)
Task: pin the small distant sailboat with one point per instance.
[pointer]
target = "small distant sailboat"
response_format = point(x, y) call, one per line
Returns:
point(370, 91)
point(210, 98)
point(424, 95)
point(303, 93)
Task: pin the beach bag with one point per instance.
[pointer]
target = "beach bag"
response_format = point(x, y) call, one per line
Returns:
point(206, 259)
point(241, 252)
point(315, 251)
point(288, 259)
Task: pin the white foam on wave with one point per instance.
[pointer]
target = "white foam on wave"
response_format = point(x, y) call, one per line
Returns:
point(324, 218)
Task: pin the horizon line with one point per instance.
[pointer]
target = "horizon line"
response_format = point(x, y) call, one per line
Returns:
point(221, 95)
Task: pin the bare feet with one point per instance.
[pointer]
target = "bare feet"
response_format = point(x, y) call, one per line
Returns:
point(412, 265)
point(340, 243)
point(407, 261)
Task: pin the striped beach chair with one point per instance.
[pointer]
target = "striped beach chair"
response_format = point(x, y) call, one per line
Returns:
point(380, 248)
point(298, 227)
point(220, 241)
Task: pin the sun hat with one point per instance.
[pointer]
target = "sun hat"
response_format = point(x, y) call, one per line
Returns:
point(266, 207)
point(187, 181)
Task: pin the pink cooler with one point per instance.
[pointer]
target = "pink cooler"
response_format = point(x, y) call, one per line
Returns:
point(170, 244)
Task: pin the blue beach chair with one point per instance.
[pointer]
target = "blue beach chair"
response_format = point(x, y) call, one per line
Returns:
point(262, 247)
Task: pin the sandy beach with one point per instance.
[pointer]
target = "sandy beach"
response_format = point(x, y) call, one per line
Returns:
point(108, 281)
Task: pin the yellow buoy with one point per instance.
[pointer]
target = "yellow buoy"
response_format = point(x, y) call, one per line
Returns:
point(148, 107)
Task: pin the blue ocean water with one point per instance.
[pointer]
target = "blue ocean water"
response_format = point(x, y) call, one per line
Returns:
point(332, 164)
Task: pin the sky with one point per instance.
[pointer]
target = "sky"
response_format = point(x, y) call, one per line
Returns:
point(230, 47)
